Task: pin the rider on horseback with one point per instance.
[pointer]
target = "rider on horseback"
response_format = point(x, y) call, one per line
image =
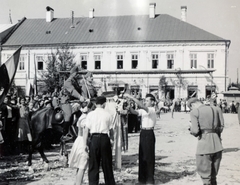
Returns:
point(82, 89)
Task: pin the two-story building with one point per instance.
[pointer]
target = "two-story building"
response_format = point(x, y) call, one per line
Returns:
point(132, 49)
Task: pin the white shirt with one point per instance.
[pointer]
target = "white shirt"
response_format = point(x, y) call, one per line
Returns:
point(9, 111)
point(99, 121)
point(149, 118)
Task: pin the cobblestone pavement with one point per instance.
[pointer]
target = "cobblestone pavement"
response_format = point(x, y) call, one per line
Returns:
point(175, 158)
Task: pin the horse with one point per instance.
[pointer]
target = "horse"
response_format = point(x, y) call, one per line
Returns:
point(42, 120)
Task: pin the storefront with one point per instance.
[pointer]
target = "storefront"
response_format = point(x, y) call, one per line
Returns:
point(170, 92)
point(209, 90)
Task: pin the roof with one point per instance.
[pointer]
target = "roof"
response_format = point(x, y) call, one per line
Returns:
point(233, 88)
point(111, 29)
point(4, 27)
point(231, 92)
point(4, 30)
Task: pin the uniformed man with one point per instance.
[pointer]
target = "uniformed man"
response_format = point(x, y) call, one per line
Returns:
point(88, 90)
point(71, 84)
point(99, 123)
point(207, 124)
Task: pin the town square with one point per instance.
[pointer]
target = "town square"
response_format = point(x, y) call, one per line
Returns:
point(109, 92)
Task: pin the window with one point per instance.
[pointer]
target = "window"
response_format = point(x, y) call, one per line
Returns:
point(210, 60)
point(119, 61)
point(170, 61)
point(97, 59)
point(40, 65)
point(154, 61)
point(40, 61)
point(84, 61)
point(134, 61)
point(193, 59)
point(21, 63)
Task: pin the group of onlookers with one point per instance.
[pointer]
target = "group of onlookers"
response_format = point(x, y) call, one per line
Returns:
point(226, 107)
point(15, 116)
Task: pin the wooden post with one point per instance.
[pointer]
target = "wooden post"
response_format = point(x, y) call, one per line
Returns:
point(118, 144)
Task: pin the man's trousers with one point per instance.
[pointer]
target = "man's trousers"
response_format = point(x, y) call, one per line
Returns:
point(208, 166)
point(100, 151)
point(146, 157)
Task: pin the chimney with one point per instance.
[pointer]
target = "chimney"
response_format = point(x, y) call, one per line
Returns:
point(49, 14)
point(91, 13)
point(72, 14)
point(152, 10)
point(184, 13)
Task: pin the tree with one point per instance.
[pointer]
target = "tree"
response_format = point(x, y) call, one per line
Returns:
point(162, 86)
point(58, 65)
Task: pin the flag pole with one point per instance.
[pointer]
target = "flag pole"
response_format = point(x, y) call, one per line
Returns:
point(86, 86)
point(35, 76)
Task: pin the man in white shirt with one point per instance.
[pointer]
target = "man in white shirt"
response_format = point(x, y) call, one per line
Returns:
point(99, 124)
point(147, 138)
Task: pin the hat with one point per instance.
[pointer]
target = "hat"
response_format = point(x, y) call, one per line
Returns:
point(89, 74)
point(191, 100)
point(101, 100)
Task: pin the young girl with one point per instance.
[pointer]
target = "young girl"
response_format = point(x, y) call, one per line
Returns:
point(78, 157)
point(24, 133)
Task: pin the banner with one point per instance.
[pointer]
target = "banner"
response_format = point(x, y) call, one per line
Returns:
point(7, 73)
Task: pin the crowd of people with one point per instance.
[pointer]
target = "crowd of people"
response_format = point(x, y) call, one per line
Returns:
point(15, 116)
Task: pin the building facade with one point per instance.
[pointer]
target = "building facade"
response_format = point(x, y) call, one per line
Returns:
point(133, 50)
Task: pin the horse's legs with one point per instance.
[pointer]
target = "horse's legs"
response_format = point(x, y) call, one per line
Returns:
point(30, 156)
point(63, 150)
point(40, 150)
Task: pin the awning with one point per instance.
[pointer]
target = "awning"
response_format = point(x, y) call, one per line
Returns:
point(134, 87)
point(116, 83)
point(153, 87)
point(192, 87)
point(170, 87)
point(208, 87)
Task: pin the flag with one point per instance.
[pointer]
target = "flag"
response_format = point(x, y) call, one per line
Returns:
point(7, 73)
point(29, 88)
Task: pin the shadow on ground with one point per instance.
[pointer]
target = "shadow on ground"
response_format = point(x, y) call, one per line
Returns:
point(130, 171)
point(226, 150)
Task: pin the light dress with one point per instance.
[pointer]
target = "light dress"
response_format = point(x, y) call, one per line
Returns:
point(78, 157)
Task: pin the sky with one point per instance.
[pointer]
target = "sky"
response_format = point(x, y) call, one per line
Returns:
point(219, 17)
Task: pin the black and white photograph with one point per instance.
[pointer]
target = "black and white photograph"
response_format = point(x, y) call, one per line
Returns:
point(119, 92)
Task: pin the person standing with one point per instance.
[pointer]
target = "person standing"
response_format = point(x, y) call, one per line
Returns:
point(100, 124)
point(207, 124)
point(78, 157)
point(147, 138)
point(24, 133)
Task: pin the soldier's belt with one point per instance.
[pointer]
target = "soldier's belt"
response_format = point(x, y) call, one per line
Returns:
point(207, 131)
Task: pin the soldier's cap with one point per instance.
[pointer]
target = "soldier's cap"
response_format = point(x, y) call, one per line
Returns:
point(101, 100)
point(192, 100)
